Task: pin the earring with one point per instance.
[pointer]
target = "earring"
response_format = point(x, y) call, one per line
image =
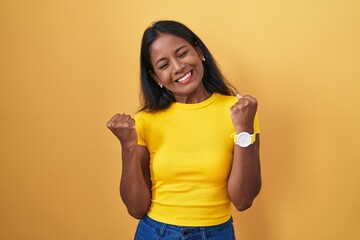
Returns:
point(160, 85)
point(203, 59)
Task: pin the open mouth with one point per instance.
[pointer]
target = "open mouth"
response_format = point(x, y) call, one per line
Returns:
point(185, 79)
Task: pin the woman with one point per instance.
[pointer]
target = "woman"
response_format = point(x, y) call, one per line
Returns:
point(193, 148)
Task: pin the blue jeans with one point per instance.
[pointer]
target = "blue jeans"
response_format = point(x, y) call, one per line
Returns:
point(149, 229)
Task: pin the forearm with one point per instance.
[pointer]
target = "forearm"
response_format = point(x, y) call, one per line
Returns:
point(134, 190)
point(245, 177)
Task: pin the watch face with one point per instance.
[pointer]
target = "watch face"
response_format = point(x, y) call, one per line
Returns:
point(243, 139)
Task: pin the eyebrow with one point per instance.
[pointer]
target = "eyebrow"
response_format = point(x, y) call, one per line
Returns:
point(176, 51)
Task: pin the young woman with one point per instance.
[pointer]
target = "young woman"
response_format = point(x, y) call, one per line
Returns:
point(193, 148)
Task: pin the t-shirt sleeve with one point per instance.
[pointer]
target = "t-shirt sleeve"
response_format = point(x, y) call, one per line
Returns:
point(140, 128)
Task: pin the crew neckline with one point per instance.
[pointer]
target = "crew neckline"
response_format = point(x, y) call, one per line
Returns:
point(190, 106)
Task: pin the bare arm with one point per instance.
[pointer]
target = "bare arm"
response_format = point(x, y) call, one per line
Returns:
point(134, 184)
point(245, 177)
point(135, 178)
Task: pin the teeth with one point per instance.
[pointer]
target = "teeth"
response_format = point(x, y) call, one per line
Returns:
point(185, 77)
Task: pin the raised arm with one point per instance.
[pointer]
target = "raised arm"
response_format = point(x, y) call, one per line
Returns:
point(245, 177)
point(135, 182)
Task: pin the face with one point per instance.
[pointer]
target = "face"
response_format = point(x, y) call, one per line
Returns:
point(178, 67)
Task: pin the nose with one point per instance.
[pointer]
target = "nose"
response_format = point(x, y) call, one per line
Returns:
point(178, 66)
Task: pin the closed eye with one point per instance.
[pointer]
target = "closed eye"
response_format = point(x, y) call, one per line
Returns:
point(163, 66)
point(183, 54)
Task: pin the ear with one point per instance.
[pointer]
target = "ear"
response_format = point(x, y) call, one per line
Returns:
point(155, 77)
point(199, 51)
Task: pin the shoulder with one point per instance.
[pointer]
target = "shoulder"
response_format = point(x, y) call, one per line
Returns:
point(142, 115)
point(225, 99)
point(145, 116)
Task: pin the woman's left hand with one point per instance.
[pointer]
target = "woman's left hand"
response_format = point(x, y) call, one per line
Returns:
point(243, 113)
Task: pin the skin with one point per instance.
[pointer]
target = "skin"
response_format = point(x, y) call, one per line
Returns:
point(245, 177)
point(135, 182)
point(173, 58)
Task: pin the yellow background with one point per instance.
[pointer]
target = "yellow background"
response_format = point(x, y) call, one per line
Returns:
point(67, 66)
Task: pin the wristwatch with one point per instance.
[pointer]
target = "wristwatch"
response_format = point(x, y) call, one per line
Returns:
point(244, 139)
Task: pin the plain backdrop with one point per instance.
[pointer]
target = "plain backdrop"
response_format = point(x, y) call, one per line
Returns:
point(67, 66)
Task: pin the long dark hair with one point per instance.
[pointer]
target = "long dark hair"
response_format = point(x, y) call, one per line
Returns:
point(155, 98)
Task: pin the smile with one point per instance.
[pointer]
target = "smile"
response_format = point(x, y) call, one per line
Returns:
point(185, 78)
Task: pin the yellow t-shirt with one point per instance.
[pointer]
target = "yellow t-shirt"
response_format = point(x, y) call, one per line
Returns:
point(190, 160)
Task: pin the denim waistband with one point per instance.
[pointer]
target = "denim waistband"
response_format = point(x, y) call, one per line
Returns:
point(163, 229)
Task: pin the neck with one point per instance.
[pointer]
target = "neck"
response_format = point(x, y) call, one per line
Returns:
point(195, 97)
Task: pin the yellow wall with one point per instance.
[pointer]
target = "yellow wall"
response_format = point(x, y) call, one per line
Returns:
point(67, 66)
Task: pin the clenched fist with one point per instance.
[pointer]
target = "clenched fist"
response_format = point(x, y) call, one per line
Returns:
point(243, 113)
point(123, 127)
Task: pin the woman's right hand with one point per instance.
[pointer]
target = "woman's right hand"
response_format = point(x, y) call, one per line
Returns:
point(123, 127)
